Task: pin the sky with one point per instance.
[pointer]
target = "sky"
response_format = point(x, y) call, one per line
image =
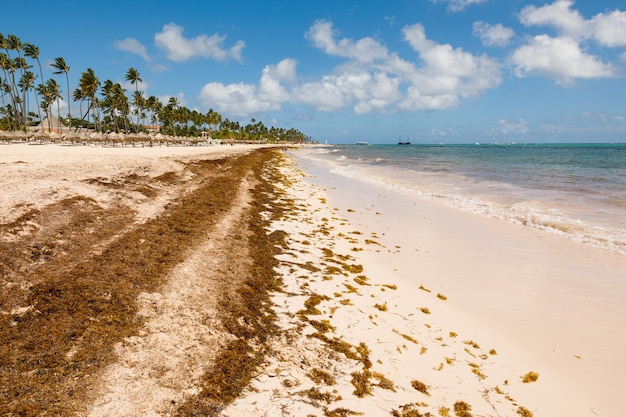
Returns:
point(431, 71)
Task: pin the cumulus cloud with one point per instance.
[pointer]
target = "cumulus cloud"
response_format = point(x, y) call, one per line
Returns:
point(271, 86)
point(237, 99)
point(371, 78)
point(367, 49)
point(375, 79)
point(561, 59)
point(448, 73)
point(178, 48)
point(558, 14)
point(609, 29)
point(133, 46)
point(606, 29)
point(492, 35)
point(366, 91)
point(243, 99)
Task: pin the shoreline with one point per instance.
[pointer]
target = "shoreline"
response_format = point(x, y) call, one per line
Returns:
point(466, 305)
point(388, 305)
point(554, 302)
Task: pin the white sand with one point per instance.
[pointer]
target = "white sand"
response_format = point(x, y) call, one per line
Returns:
point(544, 303)
point(37, 175)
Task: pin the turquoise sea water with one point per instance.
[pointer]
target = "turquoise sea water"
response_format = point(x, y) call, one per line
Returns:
point(577, 190)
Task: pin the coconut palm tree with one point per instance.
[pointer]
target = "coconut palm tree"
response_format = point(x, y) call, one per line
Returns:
point(53, 90)
point(88, 86)
point(26, 83)
point(32, 52)
point(15, 44)
point(78, 95)
point(61, 67)
point(8, 67)
point(139, 102)
point(133, 76)
point(154, 106)
point(121, 103)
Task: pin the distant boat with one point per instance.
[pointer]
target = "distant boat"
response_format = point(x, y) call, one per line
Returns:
point(362, 143)
point(404, 141)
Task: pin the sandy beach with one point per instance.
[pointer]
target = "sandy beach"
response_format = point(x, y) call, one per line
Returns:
point(377, 303)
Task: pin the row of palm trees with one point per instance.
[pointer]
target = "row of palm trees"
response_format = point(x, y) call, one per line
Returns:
point(105, 106)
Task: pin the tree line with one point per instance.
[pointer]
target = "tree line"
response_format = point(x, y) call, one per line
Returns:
point(106, 106)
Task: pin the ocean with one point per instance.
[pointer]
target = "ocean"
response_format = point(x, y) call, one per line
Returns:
point(575, 190)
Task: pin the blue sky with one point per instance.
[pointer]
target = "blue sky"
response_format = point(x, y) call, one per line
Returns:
point(448, 71)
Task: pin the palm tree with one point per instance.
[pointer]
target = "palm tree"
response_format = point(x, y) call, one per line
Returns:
point(139, 102)
point(78, 95)
point(53, 90)
point(88, 86)
point(132, 75)
point(8, 67)
point(7, 109)
point(32, 52)
point(26, 83)
point(154, 106)
point(61, 67)
point(21, 63)
point(15, 44)
point(121, 103)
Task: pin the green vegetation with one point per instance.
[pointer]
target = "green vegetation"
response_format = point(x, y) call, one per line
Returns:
point(111, 105)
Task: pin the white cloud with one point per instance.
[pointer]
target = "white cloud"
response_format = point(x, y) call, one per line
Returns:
point(610, 29)
point(602, 117)
point(270, 87)
point(558, 14)
point(448, 73)
point(178, 48)
point(561, 59)
point(243, 99)
point(564, 58)
point(180, 97)
point(459, 5)
point(366, 91)
point(322, 34)
point(134, 46)
point(606, 29)
point(513, 127)
point(141, 86)
point(371, 79)
point(492, 35)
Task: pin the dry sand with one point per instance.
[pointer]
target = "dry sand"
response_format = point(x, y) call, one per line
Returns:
point(390, 305)
point(516, 301)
